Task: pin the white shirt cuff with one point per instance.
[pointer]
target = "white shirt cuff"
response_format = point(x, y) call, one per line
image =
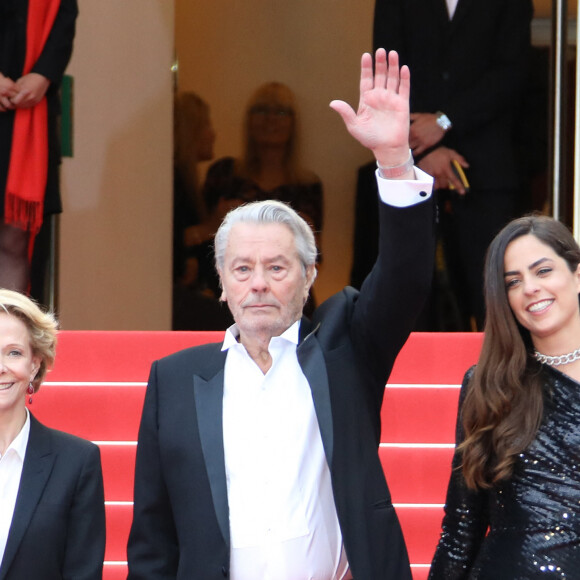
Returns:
point(404, 193)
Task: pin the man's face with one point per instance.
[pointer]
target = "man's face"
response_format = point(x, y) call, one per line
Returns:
point(263, 280)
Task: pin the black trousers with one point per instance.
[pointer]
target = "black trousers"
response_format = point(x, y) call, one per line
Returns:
point(467, 225)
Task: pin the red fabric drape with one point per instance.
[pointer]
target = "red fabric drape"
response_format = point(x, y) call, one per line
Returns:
point(28, 169)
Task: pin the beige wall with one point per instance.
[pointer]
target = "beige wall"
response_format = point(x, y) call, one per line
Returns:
point(226, 48)
point(115, 244)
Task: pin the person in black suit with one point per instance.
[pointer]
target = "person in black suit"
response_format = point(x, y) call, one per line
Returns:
point(52, 511)
point(32, 66)
point(258, 458)
point(469, 61)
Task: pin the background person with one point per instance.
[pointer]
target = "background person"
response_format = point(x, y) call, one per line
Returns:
point(195, 305)
point(268, 167)
point(31, 69)
point(52, 511)
point(511, 508)
point(457, 50)
point(257, 458)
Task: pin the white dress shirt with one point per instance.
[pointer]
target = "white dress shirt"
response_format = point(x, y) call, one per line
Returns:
point(451, 6)
point(403, 193)
point(283, 521)
point(10, 473)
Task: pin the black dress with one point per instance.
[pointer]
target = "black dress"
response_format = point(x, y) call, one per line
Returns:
point(532, 521)
point(222, 182)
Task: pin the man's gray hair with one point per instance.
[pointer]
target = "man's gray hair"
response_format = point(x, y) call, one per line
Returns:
point(268, 212)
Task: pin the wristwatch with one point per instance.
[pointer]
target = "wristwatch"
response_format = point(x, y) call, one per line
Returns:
point(443, 121)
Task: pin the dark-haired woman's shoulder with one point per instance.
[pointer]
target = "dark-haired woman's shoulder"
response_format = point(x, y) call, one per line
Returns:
point(465, 383)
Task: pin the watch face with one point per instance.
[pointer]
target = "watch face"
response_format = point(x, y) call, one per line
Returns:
point(444, 122)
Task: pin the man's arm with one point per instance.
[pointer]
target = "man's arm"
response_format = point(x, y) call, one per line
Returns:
point(394, 292)
point(57, 50)
point(52, 62)
point(152, 549)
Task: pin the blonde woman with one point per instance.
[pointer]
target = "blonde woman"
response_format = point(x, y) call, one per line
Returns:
point(52, 511)
point(268, 167)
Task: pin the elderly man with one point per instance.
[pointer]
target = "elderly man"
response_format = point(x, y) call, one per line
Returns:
point(257, 458)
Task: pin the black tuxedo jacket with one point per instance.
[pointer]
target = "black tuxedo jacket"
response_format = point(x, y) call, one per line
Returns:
point(181, 525)
point(58, 526)
point(473, 68)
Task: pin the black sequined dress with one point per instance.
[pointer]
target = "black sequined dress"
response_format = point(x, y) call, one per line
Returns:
point(534, 518)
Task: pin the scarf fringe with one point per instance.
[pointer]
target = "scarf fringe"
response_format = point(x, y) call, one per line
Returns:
point(24, 214)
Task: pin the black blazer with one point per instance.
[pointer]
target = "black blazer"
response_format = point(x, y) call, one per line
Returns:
point(58, 527)
point(181, 523)
point(473, 68)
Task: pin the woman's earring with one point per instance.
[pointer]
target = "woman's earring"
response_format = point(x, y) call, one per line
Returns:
point(30, 392)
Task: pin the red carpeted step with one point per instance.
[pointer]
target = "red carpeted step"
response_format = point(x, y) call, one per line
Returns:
point(417, 475)
point(118, 525)
point(421, 528)
point(419, 414)
point(120, 355)
point(419, 573)
point(95, 412)
point(436, 358)
point(115, 571)
point(118, 470)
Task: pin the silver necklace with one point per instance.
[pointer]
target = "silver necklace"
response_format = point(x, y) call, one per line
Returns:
point(555, 361)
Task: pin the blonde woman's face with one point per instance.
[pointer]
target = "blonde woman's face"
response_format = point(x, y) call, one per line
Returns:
point(18, 366)
point(271, 122)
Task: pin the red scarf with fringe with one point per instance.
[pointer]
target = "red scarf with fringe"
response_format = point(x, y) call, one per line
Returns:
point(28, 169)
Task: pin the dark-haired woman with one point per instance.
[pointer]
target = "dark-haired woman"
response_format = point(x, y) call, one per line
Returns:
point(513, 503)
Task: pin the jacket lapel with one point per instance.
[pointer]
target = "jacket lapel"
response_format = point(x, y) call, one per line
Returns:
point(36, 470)
point(311, 360)
point(209, 407)
point(440, 13)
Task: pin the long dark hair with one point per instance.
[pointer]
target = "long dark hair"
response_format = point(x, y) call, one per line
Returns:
point(503, 406)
